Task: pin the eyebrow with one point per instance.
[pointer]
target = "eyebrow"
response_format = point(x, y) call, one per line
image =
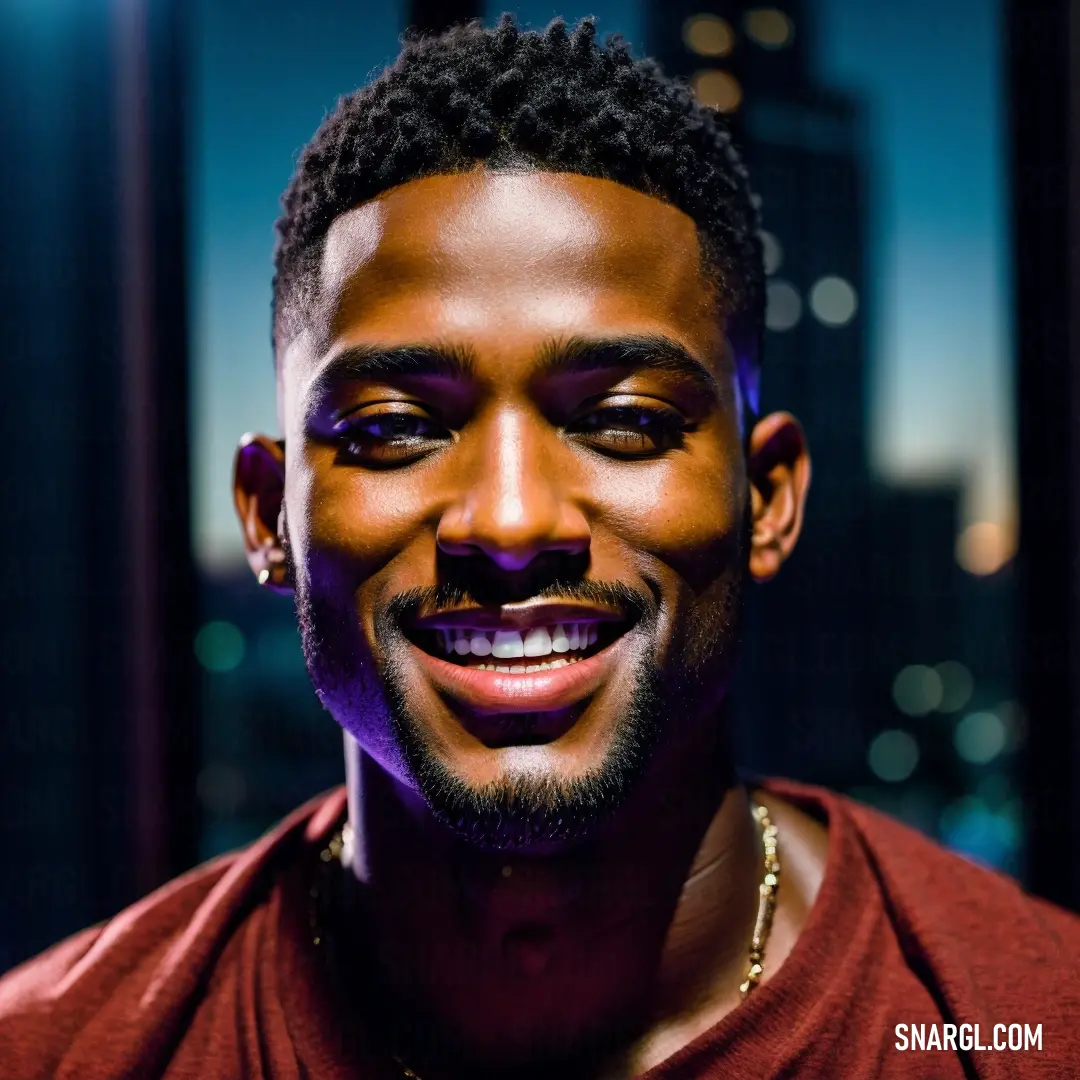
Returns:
point(560, 356)
point(637, 352)
point(359, 363)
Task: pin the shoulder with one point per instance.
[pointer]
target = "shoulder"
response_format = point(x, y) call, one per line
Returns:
point(987, 909)
point(989, 950)
point(48, 1000)
point(988, 954)
point(129, 980)
point(918, 874)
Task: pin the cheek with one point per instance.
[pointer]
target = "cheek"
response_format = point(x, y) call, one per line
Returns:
point(686, 512)
point(353, 520)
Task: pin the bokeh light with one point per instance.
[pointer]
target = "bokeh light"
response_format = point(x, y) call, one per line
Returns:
point(769, 27)
point(957, 685)
point(772, 251)
point(980, 737)
point(708, 35)
point(783, 305)
point(969, 826)
point(834, 301)
point(983, 548)
point(718, 89)
point(219, 646)
point(893, 756)
point(917, 690)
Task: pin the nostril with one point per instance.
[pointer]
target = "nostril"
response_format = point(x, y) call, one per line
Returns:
point(513, 550)
point(512, 560)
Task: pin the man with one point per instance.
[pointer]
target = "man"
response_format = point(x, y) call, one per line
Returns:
point(520, 494)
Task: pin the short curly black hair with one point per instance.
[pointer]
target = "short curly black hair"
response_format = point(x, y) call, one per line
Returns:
point(507, 98)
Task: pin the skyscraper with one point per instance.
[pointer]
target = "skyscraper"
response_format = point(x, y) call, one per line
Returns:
point(805, 689)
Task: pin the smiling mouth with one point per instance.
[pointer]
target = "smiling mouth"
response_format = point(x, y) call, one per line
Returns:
point(519, 652)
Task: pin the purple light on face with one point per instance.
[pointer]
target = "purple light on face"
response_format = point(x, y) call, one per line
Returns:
point(748, 376)
point(742, 348)
point(747, 385)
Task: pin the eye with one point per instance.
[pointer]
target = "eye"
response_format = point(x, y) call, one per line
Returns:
point(387, 438)
point(633, 430)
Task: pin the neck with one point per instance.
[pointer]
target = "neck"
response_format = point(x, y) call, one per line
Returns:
point(601, 945)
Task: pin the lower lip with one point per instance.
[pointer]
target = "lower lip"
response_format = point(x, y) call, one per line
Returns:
point(539, 691)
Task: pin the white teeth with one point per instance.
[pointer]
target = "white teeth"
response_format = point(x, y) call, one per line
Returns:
point(525, 669)
point(538, 642)
point(511, 644)
point(480, 643)
point(507, 644)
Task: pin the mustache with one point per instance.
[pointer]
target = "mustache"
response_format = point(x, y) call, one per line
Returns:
point(640, 607)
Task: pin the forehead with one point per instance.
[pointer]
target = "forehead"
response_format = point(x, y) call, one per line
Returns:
point(499, 260)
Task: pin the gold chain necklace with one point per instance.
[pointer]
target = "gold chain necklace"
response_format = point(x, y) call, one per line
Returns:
point(339, 851)
point(766, 900)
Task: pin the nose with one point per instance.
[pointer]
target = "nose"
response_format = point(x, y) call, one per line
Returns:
point(510, 505)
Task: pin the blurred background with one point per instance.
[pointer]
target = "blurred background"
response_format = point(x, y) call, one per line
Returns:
point(912, 163)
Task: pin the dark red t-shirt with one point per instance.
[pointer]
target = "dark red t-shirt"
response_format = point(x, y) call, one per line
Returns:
point(214, 975)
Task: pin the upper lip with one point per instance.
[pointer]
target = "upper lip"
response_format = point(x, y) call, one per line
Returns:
point(517, 617)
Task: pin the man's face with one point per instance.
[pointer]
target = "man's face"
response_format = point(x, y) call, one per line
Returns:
point(516, 508)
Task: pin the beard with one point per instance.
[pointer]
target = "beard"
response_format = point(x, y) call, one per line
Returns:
point(522, 808)
point(368, 697)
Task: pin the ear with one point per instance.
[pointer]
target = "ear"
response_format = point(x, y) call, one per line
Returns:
point(778, 466)
point(259, 492)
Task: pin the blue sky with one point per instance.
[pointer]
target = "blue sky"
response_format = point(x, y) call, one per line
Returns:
point(930, 74)
point(267, 70)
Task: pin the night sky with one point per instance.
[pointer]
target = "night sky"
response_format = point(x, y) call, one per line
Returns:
point(928, 73)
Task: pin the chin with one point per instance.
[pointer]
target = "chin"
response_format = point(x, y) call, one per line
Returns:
point(543, 780)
